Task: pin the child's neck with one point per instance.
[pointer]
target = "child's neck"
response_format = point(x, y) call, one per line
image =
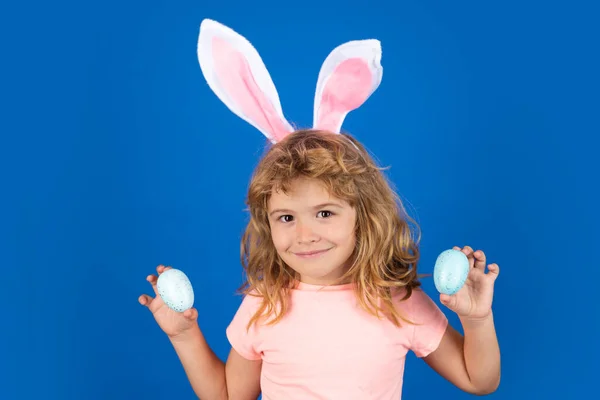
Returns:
point(325, 282)
point(331, 287)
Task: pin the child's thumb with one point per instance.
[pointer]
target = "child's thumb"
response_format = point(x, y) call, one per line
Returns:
point(448, 301)
point(191, 314)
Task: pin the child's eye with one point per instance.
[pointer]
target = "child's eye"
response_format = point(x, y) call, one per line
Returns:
point(325, 214)
point(286, 218)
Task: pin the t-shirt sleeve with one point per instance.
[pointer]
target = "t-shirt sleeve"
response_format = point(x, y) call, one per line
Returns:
point(430, 323)
point(244, 340)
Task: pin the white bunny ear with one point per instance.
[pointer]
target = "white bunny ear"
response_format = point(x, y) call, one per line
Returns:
point(348, 77)
point(236, 73)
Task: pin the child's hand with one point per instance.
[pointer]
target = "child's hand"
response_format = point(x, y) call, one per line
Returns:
point(474, 299)
point(171, 322)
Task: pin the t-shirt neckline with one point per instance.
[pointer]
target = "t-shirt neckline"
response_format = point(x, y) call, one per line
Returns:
point(329, 288)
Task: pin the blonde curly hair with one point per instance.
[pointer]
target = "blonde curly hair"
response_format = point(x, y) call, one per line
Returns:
point(386, 253)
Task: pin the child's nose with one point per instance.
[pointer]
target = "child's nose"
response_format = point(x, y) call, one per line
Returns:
point(305, 233)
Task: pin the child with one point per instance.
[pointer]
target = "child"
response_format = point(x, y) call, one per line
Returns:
point(333, 302)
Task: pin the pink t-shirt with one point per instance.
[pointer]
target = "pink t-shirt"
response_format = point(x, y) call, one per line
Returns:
point(327, 347)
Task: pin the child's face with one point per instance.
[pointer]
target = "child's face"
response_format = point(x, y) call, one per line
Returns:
point(313, 232)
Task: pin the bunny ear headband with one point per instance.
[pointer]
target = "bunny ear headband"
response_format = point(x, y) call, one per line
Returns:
point(236, 73)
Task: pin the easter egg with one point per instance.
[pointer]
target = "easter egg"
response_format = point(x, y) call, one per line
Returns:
point(450, 271)
point(175, 290)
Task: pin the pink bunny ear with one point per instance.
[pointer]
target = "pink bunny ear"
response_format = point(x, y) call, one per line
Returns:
point(348, 77)
point(236, 73)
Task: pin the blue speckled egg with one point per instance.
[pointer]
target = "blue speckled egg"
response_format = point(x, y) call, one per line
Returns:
point(175, 290)
point(450, 271)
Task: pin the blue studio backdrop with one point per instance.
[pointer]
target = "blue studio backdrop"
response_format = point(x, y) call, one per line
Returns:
point(117, 157)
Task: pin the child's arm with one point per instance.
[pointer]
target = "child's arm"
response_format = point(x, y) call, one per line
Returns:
point(472, 362)
point(211, 379)
point(243, 377)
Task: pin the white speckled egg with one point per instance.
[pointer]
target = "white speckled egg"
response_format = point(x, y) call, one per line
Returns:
point(175, 290)
point(450, 271)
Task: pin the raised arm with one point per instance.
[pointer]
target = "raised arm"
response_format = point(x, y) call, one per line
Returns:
point(472, 362)
point(243, 377)
point(211, 378)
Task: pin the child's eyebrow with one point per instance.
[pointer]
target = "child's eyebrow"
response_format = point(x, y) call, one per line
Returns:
point(283, 210)
point(324, 205)
point(280, 210)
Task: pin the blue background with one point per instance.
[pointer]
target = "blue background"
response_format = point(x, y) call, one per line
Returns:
point(116, 157)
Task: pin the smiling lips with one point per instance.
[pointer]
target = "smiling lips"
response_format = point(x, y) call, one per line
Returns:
point(311, 254)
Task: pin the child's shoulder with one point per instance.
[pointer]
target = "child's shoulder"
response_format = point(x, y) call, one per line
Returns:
point(249, 305)
point(251, 299)
point(418, 306)
point(404, 294)
point(408, 300)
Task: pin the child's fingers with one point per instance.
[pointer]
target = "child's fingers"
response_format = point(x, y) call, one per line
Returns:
point(468, 251)
point(145, 300)
point(153, 279)
point(480, 259)
point(494, 270)
point(161, 268)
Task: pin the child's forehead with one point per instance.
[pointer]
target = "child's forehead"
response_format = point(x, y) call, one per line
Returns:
point(305, 193)
point(302, 187)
